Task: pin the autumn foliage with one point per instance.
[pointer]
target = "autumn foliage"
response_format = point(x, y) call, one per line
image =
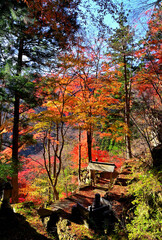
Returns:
point(80, 100)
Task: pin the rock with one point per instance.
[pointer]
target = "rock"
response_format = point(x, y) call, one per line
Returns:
point(157, 156)
point(14, 226)
point(51, 225)
point(63, 229)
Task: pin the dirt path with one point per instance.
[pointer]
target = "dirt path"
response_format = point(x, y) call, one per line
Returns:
point(115, 193)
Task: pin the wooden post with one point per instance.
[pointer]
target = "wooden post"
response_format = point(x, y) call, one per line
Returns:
point(93, 178)
point(111, 178)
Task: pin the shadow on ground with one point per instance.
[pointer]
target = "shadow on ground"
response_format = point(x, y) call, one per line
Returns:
point(14, 226)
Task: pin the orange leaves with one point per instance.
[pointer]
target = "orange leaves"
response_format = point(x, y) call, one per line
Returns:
point(147, 81)
point(93, 99)
point(6, 154)
point(105, 134)
point(80, 93)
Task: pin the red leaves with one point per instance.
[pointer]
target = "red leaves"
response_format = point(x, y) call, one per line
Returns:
point(52, 19)
point(148, 79)
point(100, 155)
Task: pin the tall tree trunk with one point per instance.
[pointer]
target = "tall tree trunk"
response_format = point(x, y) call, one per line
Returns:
point(53, 183)
point(15, 148)
point(55, 172)
point(89, 144)
point(15, 139)
point(79, 169)
point(89, 139)
point(56, 150)
point(127, 113)
point(55, 194)
point(49, 164)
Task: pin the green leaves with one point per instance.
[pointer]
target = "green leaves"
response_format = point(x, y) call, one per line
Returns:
point(147, 215)
point(5, 169)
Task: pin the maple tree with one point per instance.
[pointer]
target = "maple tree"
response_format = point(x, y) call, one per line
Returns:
point(51, 123)
point(95, 93)
point(75, 97)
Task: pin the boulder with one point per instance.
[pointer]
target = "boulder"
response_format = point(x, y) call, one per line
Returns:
point(157, 156)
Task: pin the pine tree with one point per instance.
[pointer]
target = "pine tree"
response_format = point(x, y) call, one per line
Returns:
point(120, 44)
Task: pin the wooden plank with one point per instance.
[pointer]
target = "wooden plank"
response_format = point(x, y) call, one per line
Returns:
point(101, 167)
point(103, 163)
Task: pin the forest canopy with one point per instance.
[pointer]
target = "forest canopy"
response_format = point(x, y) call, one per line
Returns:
point(79, 81)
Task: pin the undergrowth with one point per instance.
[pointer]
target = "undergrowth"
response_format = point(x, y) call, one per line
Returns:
point(147, 217)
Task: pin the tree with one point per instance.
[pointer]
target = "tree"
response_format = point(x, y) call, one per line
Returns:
point(120, 44)
point(16, 34)
point(51, 123)
point(96, 97)
point(87, 103)
point(147, 84)
point(31, 37)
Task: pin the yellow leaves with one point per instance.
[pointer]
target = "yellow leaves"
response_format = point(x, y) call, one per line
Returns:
point(41, 125)
point(6, 154)
point(3, 130)
point(79, 100)
point(6, 126)
point(78, 94)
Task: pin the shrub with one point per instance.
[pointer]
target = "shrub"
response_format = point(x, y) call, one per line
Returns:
point(147, 221)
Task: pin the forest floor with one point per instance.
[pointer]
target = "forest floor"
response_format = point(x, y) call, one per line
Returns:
point(26, 224)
